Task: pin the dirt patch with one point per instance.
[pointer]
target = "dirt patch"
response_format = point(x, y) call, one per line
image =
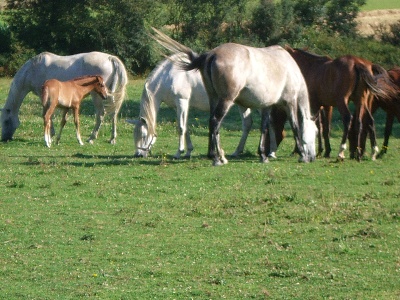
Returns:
point(376, 21)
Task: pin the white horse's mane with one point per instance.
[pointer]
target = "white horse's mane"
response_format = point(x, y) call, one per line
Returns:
point(147, 104)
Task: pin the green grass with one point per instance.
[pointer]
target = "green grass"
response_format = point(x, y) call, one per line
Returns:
point(93, 222)
point(381, 4)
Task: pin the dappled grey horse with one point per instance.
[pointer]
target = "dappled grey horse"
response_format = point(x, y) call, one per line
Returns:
point(257, 78)
point(44, 66)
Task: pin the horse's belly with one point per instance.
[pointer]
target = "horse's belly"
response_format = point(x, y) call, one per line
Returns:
point(257, 98)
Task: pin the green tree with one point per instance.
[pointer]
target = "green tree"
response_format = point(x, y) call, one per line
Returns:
point(275, 22)
point(205, 24)
point(73, 26)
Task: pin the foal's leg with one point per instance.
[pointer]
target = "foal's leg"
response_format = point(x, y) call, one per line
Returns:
point(64, 116)
point(247, 122)
point(76, 121)
point(47, 114)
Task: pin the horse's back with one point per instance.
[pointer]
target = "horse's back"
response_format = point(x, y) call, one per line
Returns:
point(48, 65)
point(170, 84)
point(258, 76)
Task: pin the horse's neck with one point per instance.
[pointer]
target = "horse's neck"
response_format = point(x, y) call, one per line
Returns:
point(19, 88)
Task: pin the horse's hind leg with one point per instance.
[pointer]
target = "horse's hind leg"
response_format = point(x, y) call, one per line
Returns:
point(347, 124)
point(64, 116)
point(216, 117)
point(99, 111)
point(388, 132)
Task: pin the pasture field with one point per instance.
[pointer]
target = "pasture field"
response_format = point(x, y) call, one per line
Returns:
point(381, 4)
point(93, 222)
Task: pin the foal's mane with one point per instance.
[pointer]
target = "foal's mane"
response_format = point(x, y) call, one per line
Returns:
point(94, 77)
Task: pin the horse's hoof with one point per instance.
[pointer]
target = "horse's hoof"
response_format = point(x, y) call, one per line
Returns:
point(218, 163)
point(90, 141)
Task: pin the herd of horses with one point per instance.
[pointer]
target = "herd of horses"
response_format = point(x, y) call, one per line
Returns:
point(280, 83)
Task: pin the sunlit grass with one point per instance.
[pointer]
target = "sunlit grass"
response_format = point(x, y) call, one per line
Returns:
point(92, 221)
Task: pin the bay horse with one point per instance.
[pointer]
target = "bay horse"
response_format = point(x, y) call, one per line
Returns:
point(256, 78)
point(66, 95)
point(180, 90)
point(391, 106)
point(31, 76)
point(335, 82)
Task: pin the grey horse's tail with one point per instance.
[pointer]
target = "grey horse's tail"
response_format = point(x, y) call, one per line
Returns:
point(118, 85)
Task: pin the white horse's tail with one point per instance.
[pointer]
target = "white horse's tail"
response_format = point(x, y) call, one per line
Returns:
point(117, 89)
point(148, 110)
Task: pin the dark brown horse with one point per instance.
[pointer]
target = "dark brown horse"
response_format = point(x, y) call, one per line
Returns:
point(336, 82)
point(390, 105)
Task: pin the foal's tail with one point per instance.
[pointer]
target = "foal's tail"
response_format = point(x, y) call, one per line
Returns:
point(377, 88)
point(45, 95)
point(194, 62)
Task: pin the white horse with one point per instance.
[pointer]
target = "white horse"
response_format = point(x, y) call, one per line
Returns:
point(44, 66)
point(180, 90)
point(257, 78)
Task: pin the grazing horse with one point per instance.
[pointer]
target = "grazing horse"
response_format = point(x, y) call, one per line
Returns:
point(180, 90)
point(256, 78)
point(391, 106)
point(44, 66)
point(68, 94)
point(335, 82)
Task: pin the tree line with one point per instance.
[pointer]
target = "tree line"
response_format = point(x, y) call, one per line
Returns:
point(120, 27)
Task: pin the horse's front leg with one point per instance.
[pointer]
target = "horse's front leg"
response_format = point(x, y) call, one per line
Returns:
point(326, 129)
point(64, 116)
point(247, 122)
point(320, 128)
point(264, 138)
point(182, 108)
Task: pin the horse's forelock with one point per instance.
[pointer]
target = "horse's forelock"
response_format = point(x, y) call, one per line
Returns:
point(9, 124)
